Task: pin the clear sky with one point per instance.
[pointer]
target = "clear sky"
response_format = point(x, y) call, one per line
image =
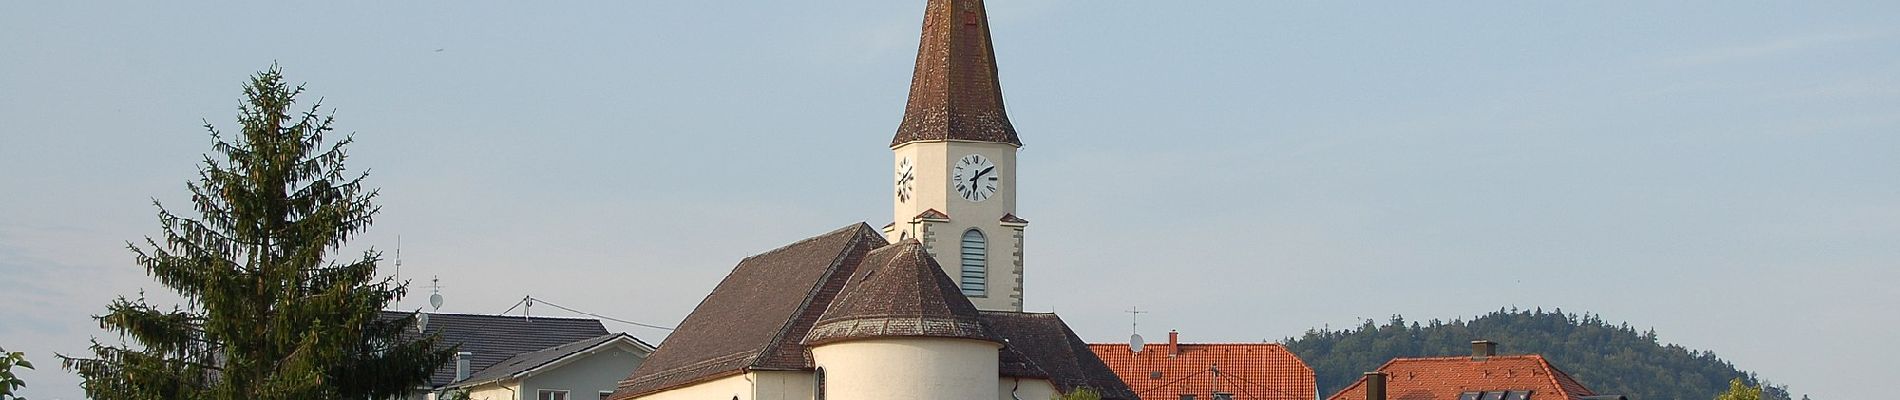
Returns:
point(1727, 173)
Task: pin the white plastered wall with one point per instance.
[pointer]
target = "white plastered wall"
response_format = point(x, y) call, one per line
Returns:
point(908, 368)
point(756, 385)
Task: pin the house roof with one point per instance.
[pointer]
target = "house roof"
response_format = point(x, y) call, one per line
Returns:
point(1246, 370)
point(491, 339)
point(954, 94)
point(528, 362)
point(1447, 377)
point(1040, 345)
point(763, 314)
point(899, 291)
point(759, 315)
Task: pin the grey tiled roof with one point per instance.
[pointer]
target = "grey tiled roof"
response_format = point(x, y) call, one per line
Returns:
point(493, 338)
point(531, 360)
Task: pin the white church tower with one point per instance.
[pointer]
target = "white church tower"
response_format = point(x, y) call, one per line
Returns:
point(954, 170)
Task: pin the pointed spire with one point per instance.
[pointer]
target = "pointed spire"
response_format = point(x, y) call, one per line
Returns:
point(953, 93)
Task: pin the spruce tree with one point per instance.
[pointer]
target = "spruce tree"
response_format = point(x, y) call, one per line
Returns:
point(267, 313)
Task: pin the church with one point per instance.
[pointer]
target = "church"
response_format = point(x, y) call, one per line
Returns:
point(928, 307)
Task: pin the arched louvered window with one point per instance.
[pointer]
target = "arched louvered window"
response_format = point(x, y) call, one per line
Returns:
point(974, 253)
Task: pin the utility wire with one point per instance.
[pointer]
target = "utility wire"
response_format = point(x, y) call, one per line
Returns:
point(546, 302)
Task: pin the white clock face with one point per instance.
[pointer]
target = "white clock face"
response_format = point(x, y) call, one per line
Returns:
point(906, 174)
point(974, 178)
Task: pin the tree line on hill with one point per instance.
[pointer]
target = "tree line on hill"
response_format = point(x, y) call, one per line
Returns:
point(1609, 359)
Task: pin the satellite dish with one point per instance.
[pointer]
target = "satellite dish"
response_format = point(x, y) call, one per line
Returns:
point(1135, 343)
point(435, 300)
point(422, 322)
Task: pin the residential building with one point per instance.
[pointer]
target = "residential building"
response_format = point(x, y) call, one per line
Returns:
point(514, 357)
point(1484, 375)
point(1210, 371)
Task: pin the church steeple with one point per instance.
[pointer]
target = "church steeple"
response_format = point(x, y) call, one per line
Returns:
point(953, 93)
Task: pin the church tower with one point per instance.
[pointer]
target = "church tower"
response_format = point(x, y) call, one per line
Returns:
point(954, 170)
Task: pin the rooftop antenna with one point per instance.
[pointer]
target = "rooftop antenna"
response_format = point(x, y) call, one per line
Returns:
point(435, 303)
point(399, 258)
point(1134, 328)
point(527, 302)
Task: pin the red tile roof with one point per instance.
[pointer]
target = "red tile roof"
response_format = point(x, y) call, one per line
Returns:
point(1446, 377)
point(1248, 371)
point(932, 214)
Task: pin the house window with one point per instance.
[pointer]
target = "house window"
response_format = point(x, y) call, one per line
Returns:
point(973, 253)
point(606, 393)
point(1223, 396)
point(1187, 397)
point(545, 394)
point(818, 384)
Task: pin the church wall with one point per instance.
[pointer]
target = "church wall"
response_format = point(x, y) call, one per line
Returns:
point(758, 385)
point(1026, 389)
point(908, 368)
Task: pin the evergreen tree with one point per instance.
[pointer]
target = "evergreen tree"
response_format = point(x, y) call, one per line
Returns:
point(267, 314)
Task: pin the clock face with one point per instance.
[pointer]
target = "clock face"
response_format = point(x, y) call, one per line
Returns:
point(974, 178)
point(906, 174)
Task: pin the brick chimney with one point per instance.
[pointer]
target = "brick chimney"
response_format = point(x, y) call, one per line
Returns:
point(1483, 349)
point(1375, 386)
point(1174, 342)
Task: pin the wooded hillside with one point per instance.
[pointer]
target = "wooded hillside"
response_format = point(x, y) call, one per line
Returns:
point(1610, 359)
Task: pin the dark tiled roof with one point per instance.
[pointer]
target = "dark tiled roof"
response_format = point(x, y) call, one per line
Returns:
point(953, 93)
point(1045, 343)
point(525, 362)
point(899, 291)
point(757, 316)
point(493, 338)
point(1013, 219)
point(1446, 377)
point(1249, 371)
point(932, 214)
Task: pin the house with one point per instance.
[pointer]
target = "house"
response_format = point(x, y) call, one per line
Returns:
point(1484, 375)
point(930, 307)
point(525, 358)
point(1210, 371)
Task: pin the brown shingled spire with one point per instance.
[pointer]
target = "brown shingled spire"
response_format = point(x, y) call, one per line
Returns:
point(954, 94)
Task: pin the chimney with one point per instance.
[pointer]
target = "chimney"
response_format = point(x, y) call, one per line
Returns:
point(1174, 342)
point(1375, 386)
point(1483, 349)
point(461, 365)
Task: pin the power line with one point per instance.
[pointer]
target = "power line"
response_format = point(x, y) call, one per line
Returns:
point(551, 304)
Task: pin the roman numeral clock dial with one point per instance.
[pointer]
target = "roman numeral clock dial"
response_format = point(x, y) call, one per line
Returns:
point(974, 178)
point(906, 174)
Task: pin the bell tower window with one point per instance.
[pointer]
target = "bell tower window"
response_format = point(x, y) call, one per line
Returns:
point(974, 263)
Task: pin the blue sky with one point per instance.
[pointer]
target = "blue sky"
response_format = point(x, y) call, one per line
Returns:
point(1724, 172)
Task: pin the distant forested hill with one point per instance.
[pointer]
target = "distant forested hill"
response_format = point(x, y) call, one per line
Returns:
point(1610, 359)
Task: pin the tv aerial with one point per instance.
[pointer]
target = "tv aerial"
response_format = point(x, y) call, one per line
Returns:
point(1134, 328)
point(435, 304)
